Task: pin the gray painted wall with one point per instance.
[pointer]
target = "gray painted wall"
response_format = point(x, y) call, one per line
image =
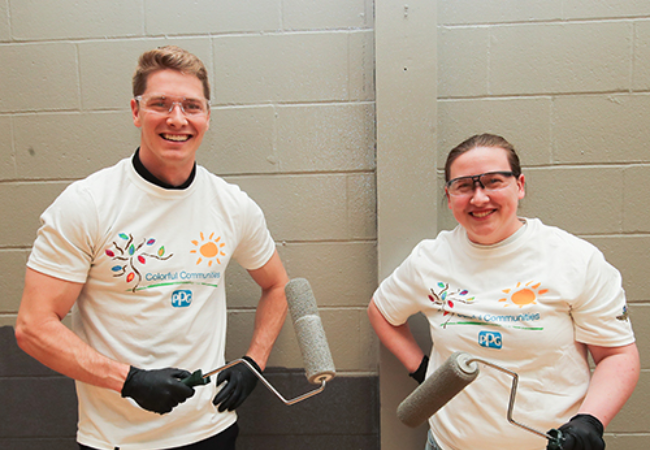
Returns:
point(567, 81)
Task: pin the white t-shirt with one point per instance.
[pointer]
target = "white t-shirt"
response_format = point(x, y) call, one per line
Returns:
point(152, 262)
point(529, 305)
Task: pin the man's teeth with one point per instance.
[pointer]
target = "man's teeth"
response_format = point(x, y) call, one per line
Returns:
point(481, 214)
point(175, 137)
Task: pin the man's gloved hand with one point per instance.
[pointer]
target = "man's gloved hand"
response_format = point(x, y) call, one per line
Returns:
point(241, 382)
point(420, 374)
point(583, 432)
point(158, 390)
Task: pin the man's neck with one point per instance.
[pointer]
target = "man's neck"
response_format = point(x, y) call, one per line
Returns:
point(183, 183)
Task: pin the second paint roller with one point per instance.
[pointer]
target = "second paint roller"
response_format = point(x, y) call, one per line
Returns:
point(459, 370)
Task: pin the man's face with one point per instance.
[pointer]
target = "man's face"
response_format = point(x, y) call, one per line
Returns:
point(169, 140)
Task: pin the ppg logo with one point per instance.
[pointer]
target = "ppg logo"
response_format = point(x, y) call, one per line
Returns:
point(490, 339)
point(181, 299)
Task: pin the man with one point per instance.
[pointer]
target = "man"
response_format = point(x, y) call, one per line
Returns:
point(140, 250)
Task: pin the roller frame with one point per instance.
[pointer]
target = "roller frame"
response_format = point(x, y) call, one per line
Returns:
point(270, 387)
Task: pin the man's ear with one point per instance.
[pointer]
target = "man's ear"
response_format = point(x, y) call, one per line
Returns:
point(135, 110)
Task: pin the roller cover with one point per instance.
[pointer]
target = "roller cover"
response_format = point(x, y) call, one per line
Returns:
point(316, 355)
point(443, 385)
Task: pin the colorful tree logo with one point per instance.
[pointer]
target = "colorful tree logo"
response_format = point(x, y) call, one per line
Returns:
point(131, 254)
point(444, 300)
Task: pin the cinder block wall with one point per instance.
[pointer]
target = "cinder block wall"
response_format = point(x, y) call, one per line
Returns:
point(567, 82)
point(292, 124)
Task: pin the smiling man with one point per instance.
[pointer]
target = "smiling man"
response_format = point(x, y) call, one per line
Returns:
point(138, 252)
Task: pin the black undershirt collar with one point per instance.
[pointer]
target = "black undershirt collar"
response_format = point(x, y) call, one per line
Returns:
point(144, 173)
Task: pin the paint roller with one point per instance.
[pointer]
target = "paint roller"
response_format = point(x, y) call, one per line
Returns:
point(316, 356)
point(459, 370)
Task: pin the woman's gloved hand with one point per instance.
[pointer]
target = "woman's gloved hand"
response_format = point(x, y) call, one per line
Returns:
point(583, 432)
point(420, 374)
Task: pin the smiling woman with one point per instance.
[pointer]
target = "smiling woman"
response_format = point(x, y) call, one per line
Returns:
point(483, 190)
point(514, 280)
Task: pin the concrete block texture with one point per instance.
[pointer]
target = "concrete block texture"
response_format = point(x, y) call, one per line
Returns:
point(589, 9)
point(32, 19)
point(338, 137)
point(641, 63)
point(12, 267)
point(347, 406)
point(640, 317)
point(636, 182)
point(211, 16)
point(315, 207)
point(633, 416)
point(22, 205)
point(15, 362)
point(507, 11)
point(30, 403)
point(326, 14)
point(301, 138)
point(343, 278)
point(7, 157)
point(618, 441)
point(554, 58)
point(361, 57)
point(40, 443)
point(613, 131)
point(71, 145)
point(5, 29)
point(565, 197)
point(42, 404)
point(497, 11)
point(463, 62)
point(286, 68)
point(7, 320)
point(524, 122)
point(349, 337)
point(343, 416)
point(38, 77)
point(341, 274)
point(629, 254)
point(107, 67)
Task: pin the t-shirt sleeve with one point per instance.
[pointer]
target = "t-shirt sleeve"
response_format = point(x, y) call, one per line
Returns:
point(63, 247)
point(256, 245)
point(600, 312)
point(401, 294)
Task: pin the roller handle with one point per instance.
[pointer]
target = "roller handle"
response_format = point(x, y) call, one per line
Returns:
point(196, 379)
point(555, 440)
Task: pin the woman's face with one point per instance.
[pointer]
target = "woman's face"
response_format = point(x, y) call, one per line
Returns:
point(487, 216)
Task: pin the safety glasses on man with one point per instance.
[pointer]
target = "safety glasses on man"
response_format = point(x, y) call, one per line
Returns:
point(164, 104)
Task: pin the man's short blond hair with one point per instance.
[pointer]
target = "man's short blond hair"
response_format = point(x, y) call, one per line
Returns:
point(169, 57)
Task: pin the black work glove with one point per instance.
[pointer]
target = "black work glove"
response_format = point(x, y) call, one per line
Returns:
point(158, 390)
point(420, 374)
point(241, 382)
point(583, 432)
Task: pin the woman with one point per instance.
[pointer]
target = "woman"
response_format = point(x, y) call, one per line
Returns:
point(528, 297)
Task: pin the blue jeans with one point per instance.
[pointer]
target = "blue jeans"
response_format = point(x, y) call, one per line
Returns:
point(431, 442)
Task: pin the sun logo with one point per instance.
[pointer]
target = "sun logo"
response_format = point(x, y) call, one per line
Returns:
point(524, 296)
point(208, 248)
